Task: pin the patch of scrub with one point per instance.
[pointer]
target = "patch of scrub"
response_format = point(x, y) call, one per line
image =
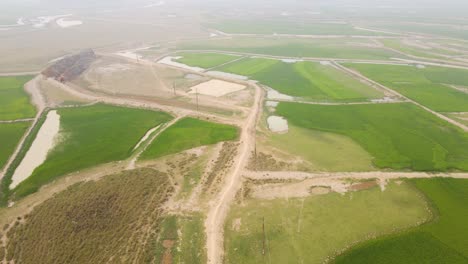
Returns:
point(61, 22)
point(169, 61)
point(37, 154)
point(216, 88)
point(277, 124)
point(146, 136)
point(275, 95)
point(227, 75)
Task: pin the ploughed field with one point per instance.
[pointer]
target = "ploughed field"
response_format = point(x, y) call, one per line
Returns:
point(430, 86)
point(115, 218)
point(399, 136)
point(307, 80)
point(91, 135)
point(14, 101)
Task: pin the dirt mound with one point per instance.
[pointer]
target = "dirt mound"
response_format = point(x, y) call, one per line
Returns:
point(70, 67)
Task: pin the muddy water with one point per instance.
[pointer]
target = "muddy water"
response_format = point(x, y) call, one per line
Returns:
point(169, 61)
point(41, 146)
point(277, 124)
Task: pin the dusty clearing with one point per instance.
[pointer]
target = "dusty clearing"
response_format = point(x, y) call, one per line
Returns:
point(37, 154)
point(216, 88)
point(277, 124)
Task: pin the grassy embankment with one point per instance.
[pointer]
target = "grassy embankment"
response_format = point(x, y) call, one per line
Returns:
point(428, 86)
point(115, 219)
point(398, 136)
point(14, 101)
point(189, 133)
point(346, 48)
point(205, 60)
point(92, 135)
point(311, 229)
point(308, 80)
point(442, 240)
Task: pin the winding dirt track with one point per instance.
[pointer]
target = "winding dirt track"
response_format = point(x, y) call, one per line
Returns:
point(219, 208)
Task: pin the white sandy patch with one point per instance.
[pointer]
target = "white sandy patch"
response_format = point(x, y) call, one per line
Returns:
point(37, 154)
point(169, 61)
point(271, 103)
point(153, 4)
point(212, 35)
point(291, 60)
point(277, 124)
point(275, 95)
point(130, 55)
point(420, 66)
point(20, 21)
point(61, 22)
point(216, 88)
point(227, 75)
point(43, 21)
point(192, 76)
point(325, 63)
point(146, 136)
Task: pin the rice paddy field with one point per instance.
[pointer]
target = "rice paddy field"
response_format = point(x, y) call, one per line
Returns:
point(10, 135)
point(399, 136)
point(189, 133)
point(14, 101)
point(429, 86)
point(93, 135)
point(442, 240)
point(346, 48)
point(308, 80)
point(115, 218)
point(314, 228)
point(204, 60)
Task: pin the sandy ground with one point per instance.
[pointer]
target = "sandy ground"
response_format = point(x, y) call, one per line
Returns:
point(64, 23)
point(216, 88)
point(146, 136)
point(37, 154)
point(277, 124)
point(227, 75)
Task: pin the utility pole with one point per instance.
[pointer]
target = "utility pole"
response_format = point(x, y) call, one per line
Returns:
point(263, 227)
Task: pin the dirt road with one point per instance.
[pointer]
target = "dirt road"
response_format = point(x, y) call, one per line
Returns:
point(214, 223)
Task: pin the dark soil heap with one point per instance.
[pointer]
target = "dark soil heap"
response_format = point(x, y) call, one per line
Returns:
point(71, 66)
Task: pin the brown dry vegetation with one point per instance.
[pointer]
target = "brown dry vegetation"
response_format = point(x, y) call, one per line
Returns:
point(115, 219)
point(266, 162)
point(220, 167)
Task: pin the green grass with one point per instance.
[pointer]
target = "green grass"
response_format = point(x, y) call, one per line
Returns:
point(205, 60)
point(308, 230)
point(14, 101)
point(324, 48)
point(309, 80)
point(282, 26)
point(323, 151)
point(398, 136)
point(419, 52)
point(426, 86)
point(10, 135)
point(92, 135)
point(187, 234)
point(441, 241)
point(189, 133)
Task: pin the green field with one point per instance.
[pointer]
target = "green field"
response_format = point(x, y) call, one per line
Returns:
point(283, 26)
point(309, 80)
point(419, 52)
point(427, 86)
point(93, 135)
point(346, 48)
point(460, 117)
point(14, 101)
point(441, 241)
point(189, 133)
point(398, 136)
point(186, 238)
point(116, 217)
point(10, 135)
point(322, 151)
point(311, 229)
point(204, 60)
